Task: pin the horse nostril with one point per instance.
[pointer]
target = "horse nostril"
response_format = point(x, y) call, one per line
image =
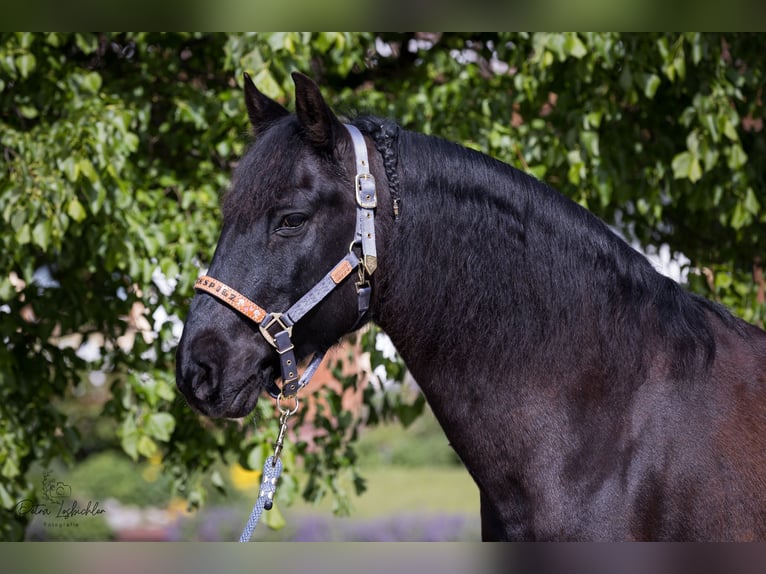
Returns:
point(204, 381)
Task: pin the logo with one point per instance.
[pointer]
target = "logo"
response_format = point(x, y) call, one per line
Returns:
point(55, 491)
point(57, 507)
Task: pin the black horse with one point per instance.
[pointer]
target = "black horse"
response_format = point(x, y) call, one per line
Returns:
point(590, 397)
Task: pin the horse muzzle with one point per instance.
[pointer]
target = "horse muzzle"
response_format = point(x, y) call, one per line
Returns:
point(219, 381)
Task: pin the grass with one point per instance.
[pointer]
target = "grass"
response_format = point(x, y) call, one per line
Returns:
point(408, 470)
point(398, 489)
point(434, 503)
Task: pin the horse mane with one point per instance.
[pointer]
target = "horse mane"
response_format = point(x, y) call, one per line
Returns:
point(572, 262)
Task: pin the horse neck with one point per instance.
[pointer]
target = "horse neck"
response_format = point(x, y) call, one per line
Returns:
point(513, 308)
point(489, 274)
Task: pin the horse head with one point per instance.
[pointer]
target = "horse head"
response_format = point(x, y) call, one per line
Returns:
point(288, 218)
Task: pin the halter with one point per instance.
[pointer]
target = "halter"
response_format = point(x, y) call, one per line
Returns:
point(277, 328)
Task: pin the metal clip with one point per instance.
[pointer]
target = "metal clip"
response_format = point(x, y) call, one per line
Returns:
point(286, 414)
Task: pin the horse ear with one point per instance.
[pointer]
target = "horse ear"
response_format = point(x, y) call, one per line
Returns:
point(261, 109)
point(320, 125)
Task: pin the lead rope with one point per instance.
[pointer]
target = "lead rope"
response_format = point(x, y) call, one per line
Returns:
point(271, 472)
point(272, 468)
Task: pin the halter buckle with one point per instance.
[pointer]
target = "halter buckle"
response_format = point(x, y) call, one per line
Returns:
point(365, 191)
point(271, 320)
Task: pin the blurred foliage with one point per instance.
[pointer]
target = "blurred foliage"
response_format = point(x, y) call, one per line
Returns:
point(110, 474)
point(422, 444)
point(116, 147)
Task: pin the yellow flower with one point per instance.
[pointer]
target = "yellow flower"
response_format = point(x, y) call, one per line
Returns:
point(244, 479)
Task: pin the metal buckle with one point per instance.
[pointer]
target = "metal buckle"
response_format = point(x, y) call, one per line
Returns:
point(365, 191)
point(268, 322)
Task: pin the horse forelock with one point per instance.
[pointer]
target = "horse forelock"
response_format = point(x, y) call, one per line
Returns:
point(264, 173)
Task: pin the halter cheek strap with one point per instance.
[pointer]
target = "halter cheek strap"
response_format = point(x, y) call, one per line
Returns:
point(277, 328)
point(366, 201)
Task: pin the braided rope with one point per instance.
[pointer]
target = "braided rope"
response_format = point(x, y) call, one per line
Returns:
point(385, 139)
point(385, 134)
point(265, 500)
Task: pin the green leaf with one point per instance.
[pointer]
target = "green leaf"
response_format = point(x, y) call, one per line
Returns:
point(722, 280)
point(682, 165)
point(693, 142)
point(10, 468)
point(217, 481)
point(25, 64)
point(407, 414)
point(29, 112)
point(169, 268)
point(695, 170)
point(24, 235)
point(87, 42)
point(709, 121)
point(267, 84)
point(18, 219)
point(273, 518)
point(736, 157)
point(751, 203)
point(76, 211)
point(662, 45)
point(593, 119)
point(728, 127)
point(71, 169)
point(740, 217)
point(146, 446)
point(604, 193)
point(160, 426)
point(709, 155)
point(91, 82)
point(41, 234)
point(25, 39)
point(6, 289)
point(278, 41)
point(6, 500)
point(696, 48)
point(86, 168)
point(590, 141)
point(649, 84)
point(574, 46)
point(129, 437)
point(257, 456)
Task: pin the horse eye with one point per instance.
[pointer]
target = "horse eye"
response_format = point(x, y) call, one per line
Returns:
point(292, 221)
